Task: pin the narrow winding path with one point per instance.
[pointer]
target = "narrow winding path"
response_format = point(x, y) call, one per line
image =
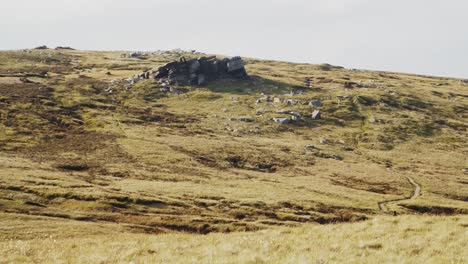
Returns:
point(416, 194)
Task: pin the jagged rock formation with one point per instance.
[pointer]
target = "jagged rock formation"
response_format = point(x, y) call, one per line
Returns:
point(198, 71)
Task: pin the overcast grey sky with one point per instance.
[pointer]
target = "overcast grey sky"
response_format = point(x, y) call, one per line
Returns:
point(416, 36)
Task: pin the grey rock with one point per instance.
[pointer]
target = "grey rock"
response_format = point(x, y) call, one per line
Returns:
point(282, 120)
point(310, 147)
point(295, 118)
point(294, 113)
point(246, 119)
point(316, 115)
point(315, 103)
point(242, 119)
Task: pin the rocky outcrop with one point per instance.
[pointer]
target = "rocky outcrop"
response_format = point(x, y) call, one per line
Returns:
point(198, 71)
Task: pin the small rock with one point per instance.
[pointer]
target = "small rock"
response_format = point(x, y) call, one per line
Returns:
point(295, 118)
point(282, 120)
point(310, 147)
point(294, 113)
point(316, 115)
point(323, 141)
point(260, 111)
point(278, 100)
point(372, 120)
point(315, 103)
point(246, 119)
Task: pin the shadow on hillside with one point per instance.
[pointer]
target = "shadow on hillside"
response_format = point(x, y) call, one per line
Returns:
point(255, 85)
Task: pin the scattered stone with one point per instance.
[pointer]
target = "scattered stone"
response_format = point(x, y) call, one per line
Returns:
point(242, 119)
point(323, 141)
point(295, 118)
point(373, 120)
point(294, 113)
point(316, 115)
point(64, 48)
point(315, 103)
point(246, 119)
point(310, 147)
point(258, 101)
point(291, 102)
point(260, 111)
point(138, 55)
point(278, 100)
point(327, 156)
point(465, 170)
point(282, 120)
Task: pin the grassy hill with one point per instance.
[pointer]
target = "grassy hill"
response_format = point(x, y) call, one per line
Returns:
point(83, 156)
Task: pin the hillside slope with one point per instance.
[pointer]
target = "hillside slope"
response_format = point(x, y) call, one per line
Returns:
point(79, 143)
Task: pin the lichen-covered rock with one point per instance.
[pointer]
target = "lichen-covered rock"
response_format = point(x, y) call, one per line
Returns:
point(199, 71)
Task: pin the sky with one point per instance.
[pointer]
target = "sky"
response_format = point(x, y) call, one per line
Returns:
point(415, 36)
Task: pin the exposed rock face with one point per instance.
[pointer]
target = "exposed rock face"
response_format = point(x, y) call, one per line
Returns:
point(199, 71)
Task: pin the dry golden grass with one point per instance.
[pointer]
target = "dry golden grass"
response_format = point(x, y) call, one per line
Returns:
point(142, 161)
point(405, 239)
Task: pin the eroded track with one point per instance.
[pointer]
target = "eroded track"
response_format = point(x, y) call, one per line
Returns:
point(416, 193)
